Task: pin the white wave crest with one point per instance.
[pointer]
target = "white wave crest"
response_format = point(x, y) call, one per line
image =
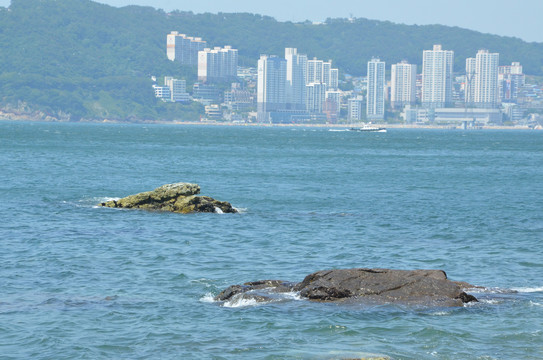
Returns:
point(240, 301)
point(490, 301)
point(528, 289)
point(241, 210)
point(105, 199)
point(294, 295)
point(218, 210)
point(94, 202)
point(440, 313)
point(245, 299)
point(207, 298)
point(533, 303)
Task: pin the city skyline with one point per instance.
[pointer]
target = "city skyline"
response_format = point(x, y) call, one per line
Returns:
point(498, 17)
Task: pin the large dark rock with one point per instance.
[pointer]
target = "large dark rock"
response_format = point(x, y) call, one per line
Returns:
point(375, 286)
point(383, 285)
point(179, 198)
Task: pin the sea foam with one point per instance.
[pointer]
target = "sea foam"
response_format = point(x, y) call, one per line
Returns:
point(528, 289)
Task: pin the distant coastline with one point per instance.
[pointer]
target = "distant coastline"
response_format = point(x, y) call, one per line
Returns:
point(331, 126)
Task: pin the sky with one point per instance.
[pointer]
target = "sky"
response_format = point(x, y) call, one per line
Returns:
point(522, 18)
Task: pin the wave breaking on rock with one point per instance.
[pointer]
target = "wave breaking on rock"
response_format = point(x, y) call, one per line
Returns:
point(361, 285)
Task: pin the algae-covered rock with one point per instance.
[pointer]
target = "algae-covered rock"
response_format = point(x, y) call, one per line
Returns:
point(178, 197)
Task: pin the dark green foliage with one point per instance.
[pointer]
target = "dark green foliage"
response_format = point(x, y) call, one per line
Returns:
point(95, 61)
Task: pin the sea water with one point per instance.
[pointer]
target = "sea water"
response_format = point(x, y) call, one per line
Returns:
point(78, 281)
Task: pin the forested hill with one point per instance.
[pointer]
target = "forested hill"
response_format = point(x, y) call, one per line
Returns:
point(94, 61)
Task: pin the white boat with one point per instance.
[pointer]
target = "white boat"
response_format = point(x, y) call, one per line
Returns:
point(369, 128)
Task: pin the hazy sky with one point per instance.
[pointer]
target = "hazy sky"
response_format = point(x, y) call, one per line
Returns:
point(522, 18)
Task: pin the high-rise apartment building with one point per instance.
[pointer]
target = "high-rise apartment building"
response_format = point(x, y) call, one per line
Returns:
point(437, 68)
point(219, 64)
point(183, 48)
point(314, 71)
point(469, 81)
point(322, 71)
point(403, 84)
point(316, 96)
point(510, 79)
point(355, 109)
point(332, 105)
point(271, 86)
point(296, 79)
point(375, 104)
point(334, 79)
point(482, 79)
point(326, 67)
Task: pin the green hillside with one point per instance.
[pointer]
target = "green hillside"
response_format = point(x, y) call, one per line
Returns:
point(93, 61)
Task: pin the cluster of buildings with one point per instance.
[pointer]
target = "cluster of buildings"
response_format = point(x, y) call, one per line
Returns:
point(183, 48)
point(296, 89)
point(214, 65)
point(173, 90)
point(432, 96)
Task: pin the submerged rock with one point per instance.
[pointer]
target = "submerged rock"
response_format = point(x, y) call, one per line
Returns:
point(179, 198)
point(247, 290)
point(375, 286)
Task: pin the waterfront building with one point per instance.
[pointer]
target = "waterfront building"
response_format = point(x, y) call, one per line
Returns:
point(296, 75)
point(482, 79)
point(332, 105)
point(355, 109)
point(238, 98)
point(409, 114)
point(271, 86)
point(403, 84)
point(454, 116)
point(213, 112)
point(206, 93)
point(510, 80)
point(469, 80)
point(183, 48)
point(375, 104)
point(316, 96)
point(437, 68)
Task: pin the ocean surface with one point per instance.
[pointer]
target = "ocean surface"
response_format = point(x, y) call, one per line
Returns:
point(79, 281)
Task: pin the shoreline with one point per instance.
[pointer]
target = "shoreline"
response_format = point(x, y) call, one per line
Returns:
point(331, 126)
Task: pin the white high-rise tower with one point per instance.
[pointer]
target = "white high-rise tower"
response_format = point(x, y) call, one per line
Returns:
point(482, 79)
point(437, 67)
point(403, 84)
point(295, 79)
point(183, 48)
point(375, 104)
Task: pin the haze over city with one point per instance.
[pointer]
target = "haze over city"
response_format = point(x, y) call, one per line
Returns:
point(500, 17)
